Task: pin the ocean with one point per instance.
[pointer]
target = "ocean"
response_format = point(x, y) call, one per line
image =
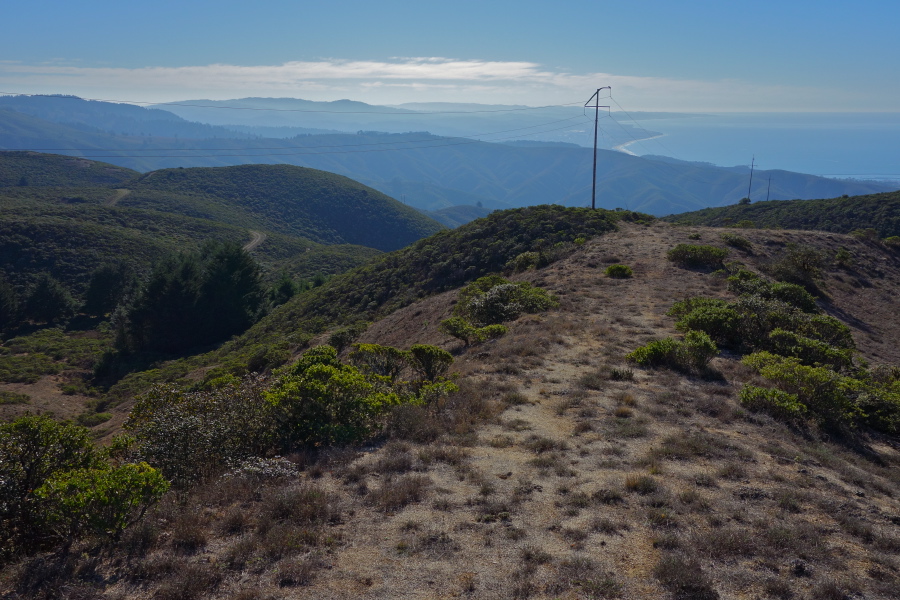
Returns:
point(838, 145)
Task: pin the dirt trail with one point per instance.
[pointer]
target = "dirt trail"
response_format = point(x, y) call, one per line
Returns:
point(120, 193)
point(256, 238)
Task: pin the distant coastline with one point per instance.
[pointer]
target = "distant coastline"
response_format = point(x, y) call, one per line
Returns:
point(624, 147)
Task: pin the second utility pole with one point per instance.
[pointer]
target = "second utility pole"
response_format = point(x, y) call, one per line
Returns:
point(596, 108)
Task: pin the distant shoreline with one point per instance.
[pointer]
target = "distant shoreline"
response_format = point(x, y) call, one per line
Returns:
point(624, 147)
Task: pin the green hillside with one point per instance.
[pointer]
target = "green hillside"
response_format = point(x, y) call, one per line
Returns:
point(37, 169)
point(321, 206)
point(839, 215)
point(444, 261)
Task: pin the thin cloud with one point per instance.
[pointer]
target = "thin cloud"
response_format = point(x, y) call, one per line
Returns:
point(409, 79)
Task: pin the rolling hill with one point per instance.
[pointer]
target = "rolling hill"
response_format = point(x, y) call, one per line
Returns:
point(841, 215)
point(432, 172)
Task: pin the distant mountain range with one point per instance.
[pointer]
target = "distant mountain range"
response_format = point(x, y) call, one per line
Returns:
point(427, 171)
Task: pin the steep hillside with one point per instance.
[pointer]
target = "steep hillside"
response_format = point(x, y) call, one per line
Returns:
point(321, 206)
point(839, 215)
point(560, 469)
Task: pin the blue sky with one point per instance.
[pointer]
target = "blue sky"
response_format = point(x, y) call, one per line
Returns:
point(677, 56)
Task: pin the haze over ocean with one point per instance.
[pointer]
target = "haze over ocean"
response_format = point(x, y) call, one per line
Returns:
point(840, 145)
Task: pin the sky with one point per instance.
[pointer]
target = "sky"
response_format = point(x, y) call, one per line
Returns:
point(689, 56)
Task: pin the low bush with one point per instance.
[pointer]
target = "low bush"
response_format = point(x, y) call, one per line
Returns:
point(692, 354)
point(619, 271)
point(697, 256)
point(779, 404)
point(736, 241)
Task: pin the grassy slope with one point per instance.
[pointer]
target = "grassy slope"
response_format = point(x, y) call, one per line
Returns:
point(840, 215)
point(294, 200)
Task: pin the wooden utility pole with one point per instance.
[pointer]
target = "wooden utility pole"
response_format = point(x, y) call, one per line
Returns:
point(596, 108)
point(752, 162)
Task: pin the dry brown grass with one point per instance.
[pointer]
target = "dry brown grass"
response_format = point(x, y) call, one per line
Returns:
point(558, 470)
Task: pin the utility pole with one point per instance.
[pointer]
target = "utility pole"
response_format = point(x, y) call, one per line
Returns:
point(596, 108)
point(752, 162)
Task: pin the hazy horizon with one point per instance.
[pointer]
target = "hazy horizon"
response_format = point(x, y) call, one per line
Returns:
point(657, 56)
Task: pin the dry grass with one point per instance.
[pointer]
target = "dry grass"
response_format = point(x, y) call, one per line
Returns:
point(558, 471)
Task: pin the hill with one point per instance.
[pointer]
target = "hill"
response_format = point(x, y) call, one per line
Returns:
point(560, 468)
point(840, 215)
point(321, 206)
point(433, 172)
point(46, 170)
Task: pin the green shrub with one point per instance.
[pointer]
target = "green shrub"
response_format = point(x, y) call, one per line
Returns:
point(827, 395)
point(386, 361)
point(99, 501)
point(493, 300)
point(736, 241)
point(528, 260)
point(718, 320)
point(13, 398)
point(691, 354)
point(32, 450)
point(777, 403)
point(430, 362)
point(892, 242)
point(697, 256)
point(619, 271)
point(810, 352)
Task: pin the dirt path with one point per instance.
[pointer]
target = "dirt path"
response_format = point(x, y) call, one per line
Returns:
point(256, 238)
point(120, 193)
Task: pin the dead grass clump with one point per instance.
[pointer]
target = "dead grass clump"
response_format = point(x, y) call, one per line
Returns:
point(726, 542)
point(298, 571)
point(451, 455)
point(414, 423)
point(594, 380)
point(641, 484)
point(628, 428)
point(583, 573)
point(539, 444)
point(190, 581)
point(608, 526)
point(235, 520)
point(188, 533)
point(684, 578)
point(608, 496)
point(436, 545)
point(697, 443)
point(299, 504)
point(532, 556)
point(394, 494)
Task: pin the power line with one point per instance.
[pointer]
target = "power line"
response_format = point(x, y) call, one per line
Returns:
point(409, 113)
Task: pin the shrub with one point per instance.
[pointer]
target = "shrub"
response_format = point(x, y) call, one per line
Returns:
point(492, 300)
point(736, 241)
point(826, 394)
point(697, 256)
point(811, 352)
point(718, 320)
point(191, 436)
point(691, 354)
point(100, 501)
point(386, 361)
point(777, 403)
point(798, 264)
point(619, 271)
point(33, 449)
point(462, 330)
point(430, 362)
